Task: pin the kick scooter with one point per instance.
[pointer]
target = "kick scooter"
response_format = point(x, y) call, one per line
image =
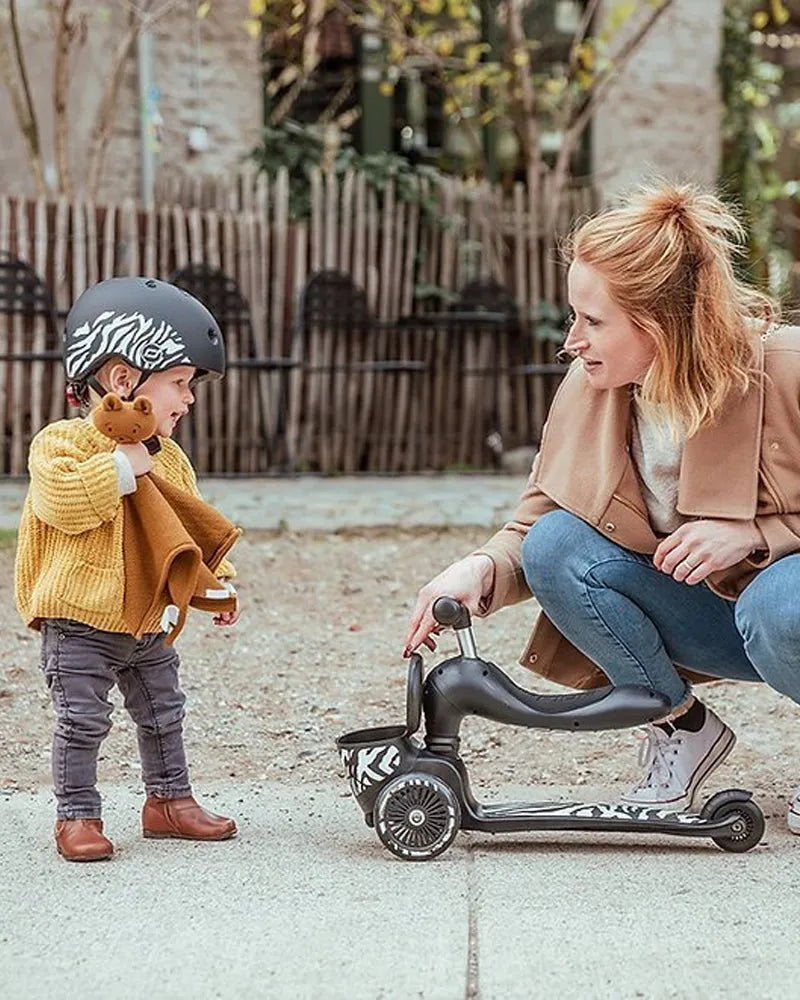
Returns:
point(416, 793)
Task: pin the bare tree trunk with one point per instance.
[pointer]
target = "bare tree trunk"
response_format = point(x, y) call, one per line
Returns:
point(584, 113)
point(23, 103)
point(104, 121)
point(64, 36)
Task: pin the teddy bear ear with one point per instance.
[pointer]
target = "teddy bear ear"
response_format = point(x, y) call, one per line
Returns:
point(143, 403)
point(111, 401)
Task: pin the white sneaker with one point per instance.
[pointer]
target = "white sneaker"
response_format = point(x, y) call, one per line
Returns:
point(794, 813)
point(678, 763)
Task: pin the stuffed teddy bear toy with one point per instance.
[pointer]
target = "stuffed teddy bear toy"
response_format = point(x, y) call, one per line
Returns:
point(124, 422)
point(175, 540)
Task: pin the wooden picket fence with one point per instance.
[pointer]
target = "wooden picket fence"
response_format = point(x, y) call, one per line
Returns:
point(292, 418)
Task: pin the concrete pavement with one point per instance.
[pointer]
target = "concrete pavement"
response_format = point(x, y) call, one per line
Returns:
point(306, 903)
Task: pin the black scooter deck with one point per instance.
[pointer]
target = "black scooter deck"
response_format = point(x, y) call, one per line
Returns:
point(520, 817)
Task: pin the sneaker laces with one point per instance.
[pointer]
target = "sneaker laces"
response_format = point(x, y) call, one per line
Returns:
point(655, 755)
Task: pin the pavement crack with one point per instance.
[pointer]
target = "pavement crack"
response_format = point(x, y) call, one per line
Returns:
point(472, 990)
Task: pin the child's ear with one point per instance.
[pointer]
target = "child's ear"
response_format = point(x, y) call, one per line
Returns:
point(143, 404)
point(111, 401)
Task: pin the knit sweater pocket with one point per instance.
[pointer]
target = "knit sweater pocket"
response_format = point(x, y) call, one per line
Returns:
point(82, 576)
point(86, 587)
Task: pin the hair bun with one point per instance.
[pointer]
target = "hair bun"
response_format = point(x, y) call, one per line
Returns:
point(670, 203)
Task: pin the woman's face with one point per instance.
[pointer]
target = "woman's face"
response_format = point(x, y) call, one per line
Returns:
point(613, 350)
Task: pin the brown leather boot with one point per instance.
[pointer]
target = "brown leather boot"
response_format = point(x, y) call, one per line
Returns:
point(183, 819)
point(82, 840)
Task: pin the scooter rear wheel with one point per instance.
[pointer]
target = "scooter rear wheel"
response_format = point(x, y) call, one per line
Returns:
point(747, 831)
point(417, 816)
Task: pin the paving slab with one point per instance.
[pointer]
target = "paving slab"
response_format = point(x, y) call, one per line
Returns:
point(306, 903)
point(335, 503)
point(302, 904)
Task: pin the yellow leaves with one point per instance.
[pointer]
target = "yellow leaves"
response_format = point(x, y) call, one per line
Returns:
point(298, 10)
point(294, 30)
point(780, 13)
point(252, 27)
point(431, 7)
point(618, 16)
point(457, 9)
point(396, 52)
point(445, 46)
point(449, 106)
point(203, 9)
point(520, 57)
point(473, 53)
point(386, 87)
point(585, 55)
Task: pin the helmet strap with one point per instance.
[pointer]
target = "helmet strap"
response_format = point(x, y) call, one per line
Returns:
point(152, 444)
point(143, 377)
point(93, 383)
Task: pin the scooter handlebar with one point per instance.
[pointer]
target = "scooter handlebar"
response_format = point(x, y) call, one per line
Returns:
point(451, 613)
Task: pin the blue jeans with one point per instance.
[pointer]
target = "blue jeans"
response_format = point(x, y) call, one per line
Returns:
point(636, 622)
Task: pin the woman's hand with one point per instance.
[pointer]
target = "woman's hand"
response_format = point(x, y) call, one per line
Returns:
point(702, 547)
point(467, 580)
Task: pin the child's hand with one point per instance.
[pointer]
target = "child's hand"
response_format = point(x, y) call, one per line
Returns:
point(138, 456)
point(227, 617)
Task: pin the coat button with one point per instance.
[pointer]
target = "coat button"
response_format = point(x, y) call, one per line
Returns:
point(774, 445)
point(610, 526)
point(533, 658)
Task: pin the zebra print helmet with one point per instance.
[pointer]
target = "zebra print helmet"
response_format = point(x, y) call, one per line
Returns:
point(150, 324)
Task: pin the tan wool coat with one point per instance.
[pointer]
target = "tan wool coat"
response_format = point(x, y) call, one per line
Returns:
point(744, 466)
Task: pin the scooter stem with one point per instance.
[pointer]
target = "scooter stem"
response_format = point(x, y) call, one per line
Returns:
point(453, 614)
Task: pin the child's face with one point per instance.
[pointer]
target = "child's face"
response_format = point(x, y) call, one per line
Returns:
point(171, 395)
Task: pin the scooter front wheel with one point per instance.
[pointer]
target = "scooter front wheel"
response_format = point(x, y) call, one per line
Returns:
point(417, 816)
point(747, 830)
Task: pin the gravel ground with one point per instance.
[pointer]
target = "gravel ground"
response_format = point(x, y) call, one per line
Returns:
point(317, 652)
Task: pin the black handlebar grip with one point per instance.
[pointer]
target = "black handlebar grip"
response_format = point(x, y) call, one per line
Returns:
point(448, 611)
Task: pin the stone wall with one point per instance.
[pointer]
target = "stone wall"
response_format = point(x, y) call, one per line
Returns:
point(207, 72)
point(663, 114)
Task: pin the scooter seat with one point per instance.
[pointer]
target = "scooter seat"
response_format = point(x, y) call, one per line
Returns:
point(464, 686)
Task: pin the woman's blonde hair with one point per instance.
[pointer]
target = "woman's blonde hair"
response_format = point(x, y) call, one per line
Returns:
point(666, 255)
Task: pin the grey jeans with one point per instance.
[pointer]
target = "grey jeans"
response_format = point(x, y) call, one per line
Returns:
point(81, 664)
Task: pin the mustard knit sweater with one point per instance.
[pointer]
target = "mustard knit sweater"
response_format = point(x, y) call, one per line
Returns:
point(69, 561)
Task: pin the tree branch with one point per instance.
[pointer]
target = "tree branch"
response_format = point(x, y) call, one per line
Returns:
point(23, 102)
point(585, 112)
point(524, 109)
point(64, 35)
point(142, 18)
point(583, 27)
